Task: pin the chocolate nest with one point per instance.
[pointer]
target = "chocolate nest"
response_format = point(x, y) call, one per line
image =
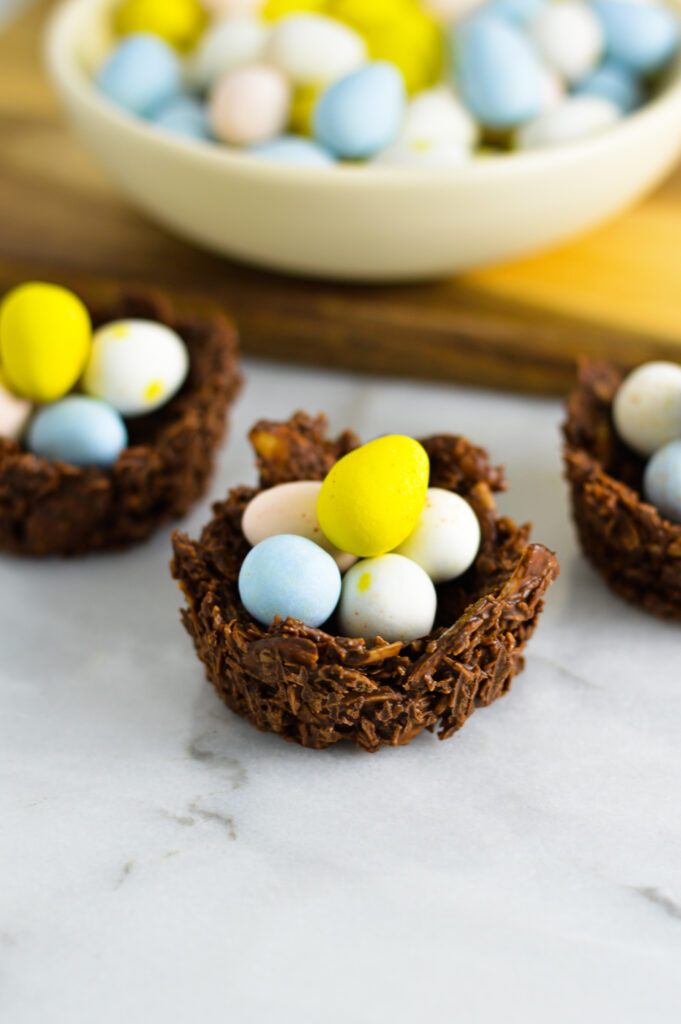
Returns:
point(635, 549)
point(315, 688)
point(51, 508)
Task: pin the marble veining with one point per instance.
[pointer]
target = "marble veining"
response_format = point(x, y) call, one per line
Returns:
point(161, 861)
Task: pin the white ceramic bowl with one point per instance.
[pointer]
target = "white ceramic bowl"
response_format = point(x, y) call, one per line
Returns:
point(362, 223)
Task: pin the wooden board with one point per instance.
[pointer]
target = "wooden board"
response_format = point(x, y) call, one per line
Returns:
point(615, 293)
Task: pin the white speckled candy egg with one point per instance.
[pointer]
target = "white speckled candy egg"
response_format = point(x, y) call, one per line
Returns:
point(250, 105)
point(14, 413)
point(446, 538)
point(576, 117)
point(228, 44)
point(135, 365)
point(389, 596)
point(646, 410)
point(569, 37)
point(290, 508)
point(313, 48)
point(437, 116)
point(422, 155)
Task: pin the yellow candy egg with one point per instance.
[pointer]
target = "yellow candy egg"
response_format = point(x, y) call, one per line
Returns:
point(179, 22)
point(275, 9)
point(45, 336)
point(372, 498)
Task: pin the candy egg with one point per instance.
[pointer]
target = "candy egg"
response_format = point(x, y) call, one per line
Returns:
point(450, 10)
point(646, 409)
point(313, 48)
point(614, 82)
point(250, 105)
point(290, 508)
point(662, 481)
point(423, 155)
point(437, 116)
point(79, 430)
point(496, 71)
point(520, 11)
point(412, 42)
point(142, 73)
point(361, 114)
point(179, 22)
point(389, 597)
point(227, 44)
point(372, 498)
point(185, 116)
point(225, 8)
point(135, 365)
point(289, 576)
point(294, 150)
point(569, 37)
point(575, 117)
point(642, 36)
point(446, 539)
point(15, 413)
point(45, 338)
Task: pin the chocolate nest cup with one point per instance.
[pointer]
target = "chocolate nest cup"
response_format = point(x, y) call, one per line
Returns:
point(315, 688)
point(636, 550)
point(52, 508)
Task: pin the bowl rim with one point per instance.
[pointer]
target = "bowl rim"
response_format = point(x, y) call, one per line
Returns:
point(59, 36)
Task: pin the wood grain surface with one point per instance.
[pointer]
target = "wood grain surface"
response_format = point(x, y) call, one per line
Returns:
point(521, 326)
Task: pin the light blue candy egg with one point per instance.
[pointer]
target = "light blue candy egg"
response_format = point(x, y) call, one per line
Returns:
point(78, 430)
point(183, 115)
point(362, 113)
point(614, 82)
point(292, 576)
point(643, 36)
point(662, 481)
point(295, 150)
point(141, 74)
point(496, 71)
point(516, 10)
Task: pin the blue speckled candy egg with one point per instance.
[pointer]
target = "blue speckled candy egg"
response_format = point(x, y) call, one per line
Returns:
point(662, 481)
point(643, 36)
point(614, 82)
point(291, 576)
point(295, 150)
point(496, 71)
point(362, 113)
point(79, 430)
point(142, 73)
point(183, 115)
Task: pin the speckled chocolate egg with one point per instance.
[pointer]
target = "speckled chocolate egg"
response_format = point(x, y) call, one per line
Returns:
point(136, 365)
point(446, 539)
point(389, 596)
point(290, 508)
point(646, 409)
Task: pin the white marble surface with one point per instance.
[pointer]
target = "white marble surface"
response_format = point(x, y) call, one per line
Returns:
point(160, 860)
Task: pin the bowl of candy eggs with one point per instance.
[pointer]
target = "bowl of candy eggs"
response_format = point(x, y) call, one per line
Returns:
point(374, 140)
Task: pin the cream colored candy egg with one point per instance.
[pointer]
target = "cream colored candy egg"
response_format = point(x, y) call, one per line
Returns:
point(446, 538)
point(291, 509)
point(135, 365)
point(438, 117)
point(422, 155)
point(15, 413)
point(569, 37)
point(228, 44)
point(447, 11)
point(389, 596)
point(576, 117)
point(313, 48)
point(250, 105)
point(647, 407)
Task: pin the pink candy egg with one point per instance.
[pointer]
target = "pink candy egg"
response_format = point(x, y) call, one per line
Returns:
point(290, 509)
point(249, 105)
point(14, 414)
